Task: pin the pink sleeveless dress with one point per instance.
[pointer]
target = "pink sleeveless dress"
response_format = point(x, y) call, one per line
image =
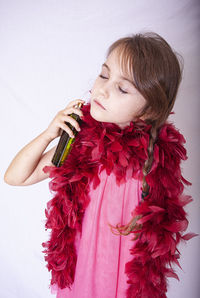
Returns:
point(101, 255)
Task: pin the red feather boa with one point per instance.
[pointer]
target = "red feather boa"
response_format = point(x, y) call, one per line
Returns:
point(163, 220)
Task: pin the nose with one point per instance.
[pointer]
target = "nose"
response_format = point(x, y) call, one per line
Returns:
point(104, 90)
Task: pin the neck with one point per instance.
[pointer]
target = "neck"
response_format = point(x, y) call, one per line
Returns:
point(123, 125)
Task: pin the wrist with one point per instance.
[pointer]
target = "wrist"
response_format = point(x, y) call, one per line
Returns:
point(46, 136)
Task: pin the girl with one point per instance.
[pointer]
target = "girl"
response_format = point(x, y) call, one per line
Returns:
point(116, 216)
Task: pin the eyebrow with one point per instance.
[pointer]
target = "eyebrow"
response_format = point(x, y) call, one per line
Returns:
point(121, 77)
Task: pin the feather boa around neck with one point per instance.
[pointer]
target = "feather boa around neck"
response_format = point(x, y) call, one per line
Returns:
point(101, 145)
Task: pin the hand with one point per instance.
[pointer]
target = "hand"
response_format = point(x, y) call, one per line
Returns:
point(58, 123)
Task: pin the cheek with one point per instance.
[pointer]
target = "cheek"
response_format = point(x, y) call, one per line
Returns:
point(139, 103)
point(134, 107)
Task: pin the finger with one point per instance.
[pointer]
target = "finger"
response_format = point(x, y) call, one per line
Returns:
point(67, 129)
point(72, 121)
point(71, 110)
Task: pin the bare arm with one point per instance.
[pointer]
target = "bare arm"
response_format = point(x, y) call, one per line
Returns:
point(26, 167)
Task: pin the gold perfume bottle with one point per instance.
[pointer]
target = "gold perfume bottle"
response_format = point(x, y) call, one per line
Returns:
point(65, 143)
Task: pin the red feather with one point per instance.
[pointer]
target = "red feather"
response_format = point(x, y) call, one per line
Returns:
point(188, 236)
point(101, 145)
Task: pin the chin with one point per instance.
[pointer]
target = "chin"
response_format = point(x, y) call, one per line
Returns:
point(96, 114)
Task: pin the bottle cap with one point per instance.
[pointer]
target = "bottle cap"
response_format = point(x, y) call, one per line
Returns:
point(78, 105)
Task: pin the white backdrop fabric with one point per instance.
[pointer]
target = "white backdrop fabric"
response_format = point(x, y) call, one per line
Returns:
point(50, 53)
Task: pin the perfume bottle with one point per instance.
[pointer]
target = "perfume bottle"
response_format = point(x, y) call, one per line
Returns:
point(65, 143)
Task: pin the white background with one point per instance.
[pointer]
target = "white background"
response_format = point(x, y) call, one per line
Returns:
point(50, 53)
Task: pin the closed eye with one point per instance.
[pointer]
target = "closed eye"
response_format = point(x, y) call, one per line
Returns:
point(120, 89)
point(102, 77)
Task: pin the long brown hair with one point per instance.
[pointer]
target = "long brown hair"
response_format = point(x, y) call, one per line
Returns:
point(156, 70)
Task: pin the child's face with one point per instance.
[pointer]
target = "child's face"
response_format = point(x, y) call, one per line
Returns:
point(118, 107)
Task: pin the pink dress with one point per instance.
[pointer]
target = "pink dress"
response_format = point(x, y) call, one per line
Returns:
point(101, 255)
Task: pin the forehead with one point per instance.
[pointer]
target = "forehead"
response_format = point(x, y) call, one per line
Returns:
point(119, 59)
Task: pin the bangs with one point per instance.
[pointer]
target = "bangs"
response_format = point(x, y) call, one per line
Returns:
point(125, 57)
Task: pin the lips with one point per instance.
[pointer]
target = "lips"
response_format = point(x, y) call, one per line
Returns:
point(98, 103)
